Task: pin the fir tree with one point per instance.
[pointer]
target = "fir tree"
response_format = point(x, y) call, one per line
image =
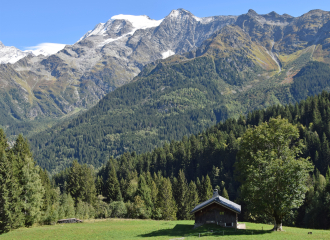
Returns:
point(225, 193)
point(113, 192)
point(193, 199)
point(145, 194)
point(11, 215)
point(166, 200)
point(207, 189)
point(182, 196)
point(33, 192)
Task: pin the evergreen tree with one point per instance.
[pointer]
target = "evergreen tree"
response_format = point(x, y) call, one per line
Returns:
point(32, 192)
point(11, 215)
point(225, 193)
point(113, 192)
point(27, 174)
point(199, 188)
point(207, 189)
point(81, 183)
point(182, 196)
point(166, 200)
point(193, 199)
point(145, 194)
point(327, 175)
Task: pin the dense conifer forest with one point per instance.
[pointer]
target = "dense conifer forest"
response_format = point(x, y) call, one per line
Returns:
point(167, 182)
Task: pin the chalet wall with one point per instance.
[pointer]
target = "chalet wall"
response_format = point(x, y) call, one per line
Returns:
point(215, 213)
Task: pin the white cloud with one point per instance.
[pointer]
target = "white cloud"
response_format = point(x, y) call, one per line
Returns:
point(45, 48)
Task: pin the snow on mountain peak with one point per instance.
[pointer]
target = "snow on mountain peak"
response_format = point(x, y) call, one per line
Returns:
point(182, 13)
point(139, 22)
point(10, 54)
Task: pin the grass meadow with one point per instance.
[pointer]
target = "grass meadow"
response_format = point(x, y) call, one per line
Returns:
point(150, 229)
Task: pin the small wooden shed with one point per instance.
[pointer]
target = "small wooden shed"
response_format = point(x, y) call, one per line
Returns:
point(217, 210)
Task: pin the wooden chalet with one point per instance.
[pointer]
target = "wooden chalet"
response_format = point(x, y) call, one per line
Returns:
point(217, 210)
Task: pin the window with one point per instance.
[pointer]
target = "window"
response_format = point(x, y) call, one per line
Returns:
point(222, 213)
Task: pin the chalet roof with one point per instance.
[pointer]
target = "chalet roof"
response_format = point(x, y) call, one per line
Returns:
point(216, 198)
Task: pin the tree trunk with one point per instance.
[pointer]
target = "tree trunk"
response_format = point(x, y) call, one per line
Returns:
point(278, 223)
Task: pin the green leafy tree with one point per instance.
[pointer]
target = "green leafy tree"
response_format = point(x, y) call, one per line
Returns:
point(67, 204)
point(273, 175)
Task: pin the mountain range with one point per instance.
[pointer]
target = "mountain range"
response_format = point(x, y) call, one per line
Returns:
point(247, 62)
point(38, 90)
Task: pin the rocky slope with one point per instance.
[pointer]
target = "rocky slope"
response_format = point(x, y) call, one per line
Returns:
point(231, 73)
point(108, 56)
point(39, 90)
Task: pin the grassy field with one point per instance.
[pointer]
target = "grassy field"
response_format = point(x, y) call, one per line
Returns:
point(148, 229)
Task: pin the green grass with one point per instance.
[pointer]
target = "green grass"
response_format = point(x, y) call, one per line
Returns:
point(149, 229)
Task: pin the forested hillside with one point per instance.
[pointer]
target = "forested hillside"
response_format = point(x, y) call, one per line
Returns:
point(171, 99)
point(206, 160)
point(183, 172)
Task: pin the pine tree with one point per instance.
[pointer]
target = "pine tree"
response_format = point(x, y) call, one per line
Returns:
point(112, 186)
point(33, 192)
point(145, 194)
point(327, 175)
point(81, 183)
point(27, 174)
point(182, 196)
point(166, 200)
point(11, 215)
point(207, 189)
point(73, 181)
point(225, 193)
point(199, 188)
point(193, 199)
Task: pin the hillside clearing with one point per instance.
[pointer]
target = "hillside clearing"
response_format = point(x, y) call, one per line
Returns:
point(150, 229)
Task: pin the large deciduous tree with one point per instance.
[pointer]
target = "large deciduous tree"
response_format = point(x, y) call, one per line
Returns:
point(272, 172)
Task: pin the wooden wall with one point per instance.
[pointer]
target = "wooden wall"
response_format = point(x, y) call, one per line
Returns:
point(216, 214)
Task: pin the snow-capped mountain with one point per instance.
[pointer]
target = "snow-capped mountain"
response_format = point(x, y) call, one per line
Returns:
point(10, 54)
point(13, 54)
point(106, 57)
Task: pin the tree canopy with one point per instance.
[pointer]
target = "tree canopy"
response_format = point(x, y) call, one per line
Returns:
point(273, 175)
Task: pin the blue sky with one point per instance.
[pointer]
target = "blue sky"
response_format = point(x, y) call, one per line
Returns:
point(28, 23)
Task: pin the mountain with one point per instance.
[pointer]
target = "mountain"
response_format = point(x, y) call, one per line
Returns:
point(249, 65)
point(10, 54)
point(40, 90)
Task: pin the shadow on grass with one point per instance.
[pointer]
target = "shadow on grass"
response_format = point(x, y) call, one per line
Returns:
point(186, 230)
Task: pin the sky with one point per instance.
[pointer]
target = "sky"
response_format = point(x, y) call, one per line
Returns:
point(29, 24)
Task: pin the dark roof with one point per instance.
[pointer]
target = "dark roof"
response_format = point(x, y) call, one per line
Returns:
point(220, 200)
